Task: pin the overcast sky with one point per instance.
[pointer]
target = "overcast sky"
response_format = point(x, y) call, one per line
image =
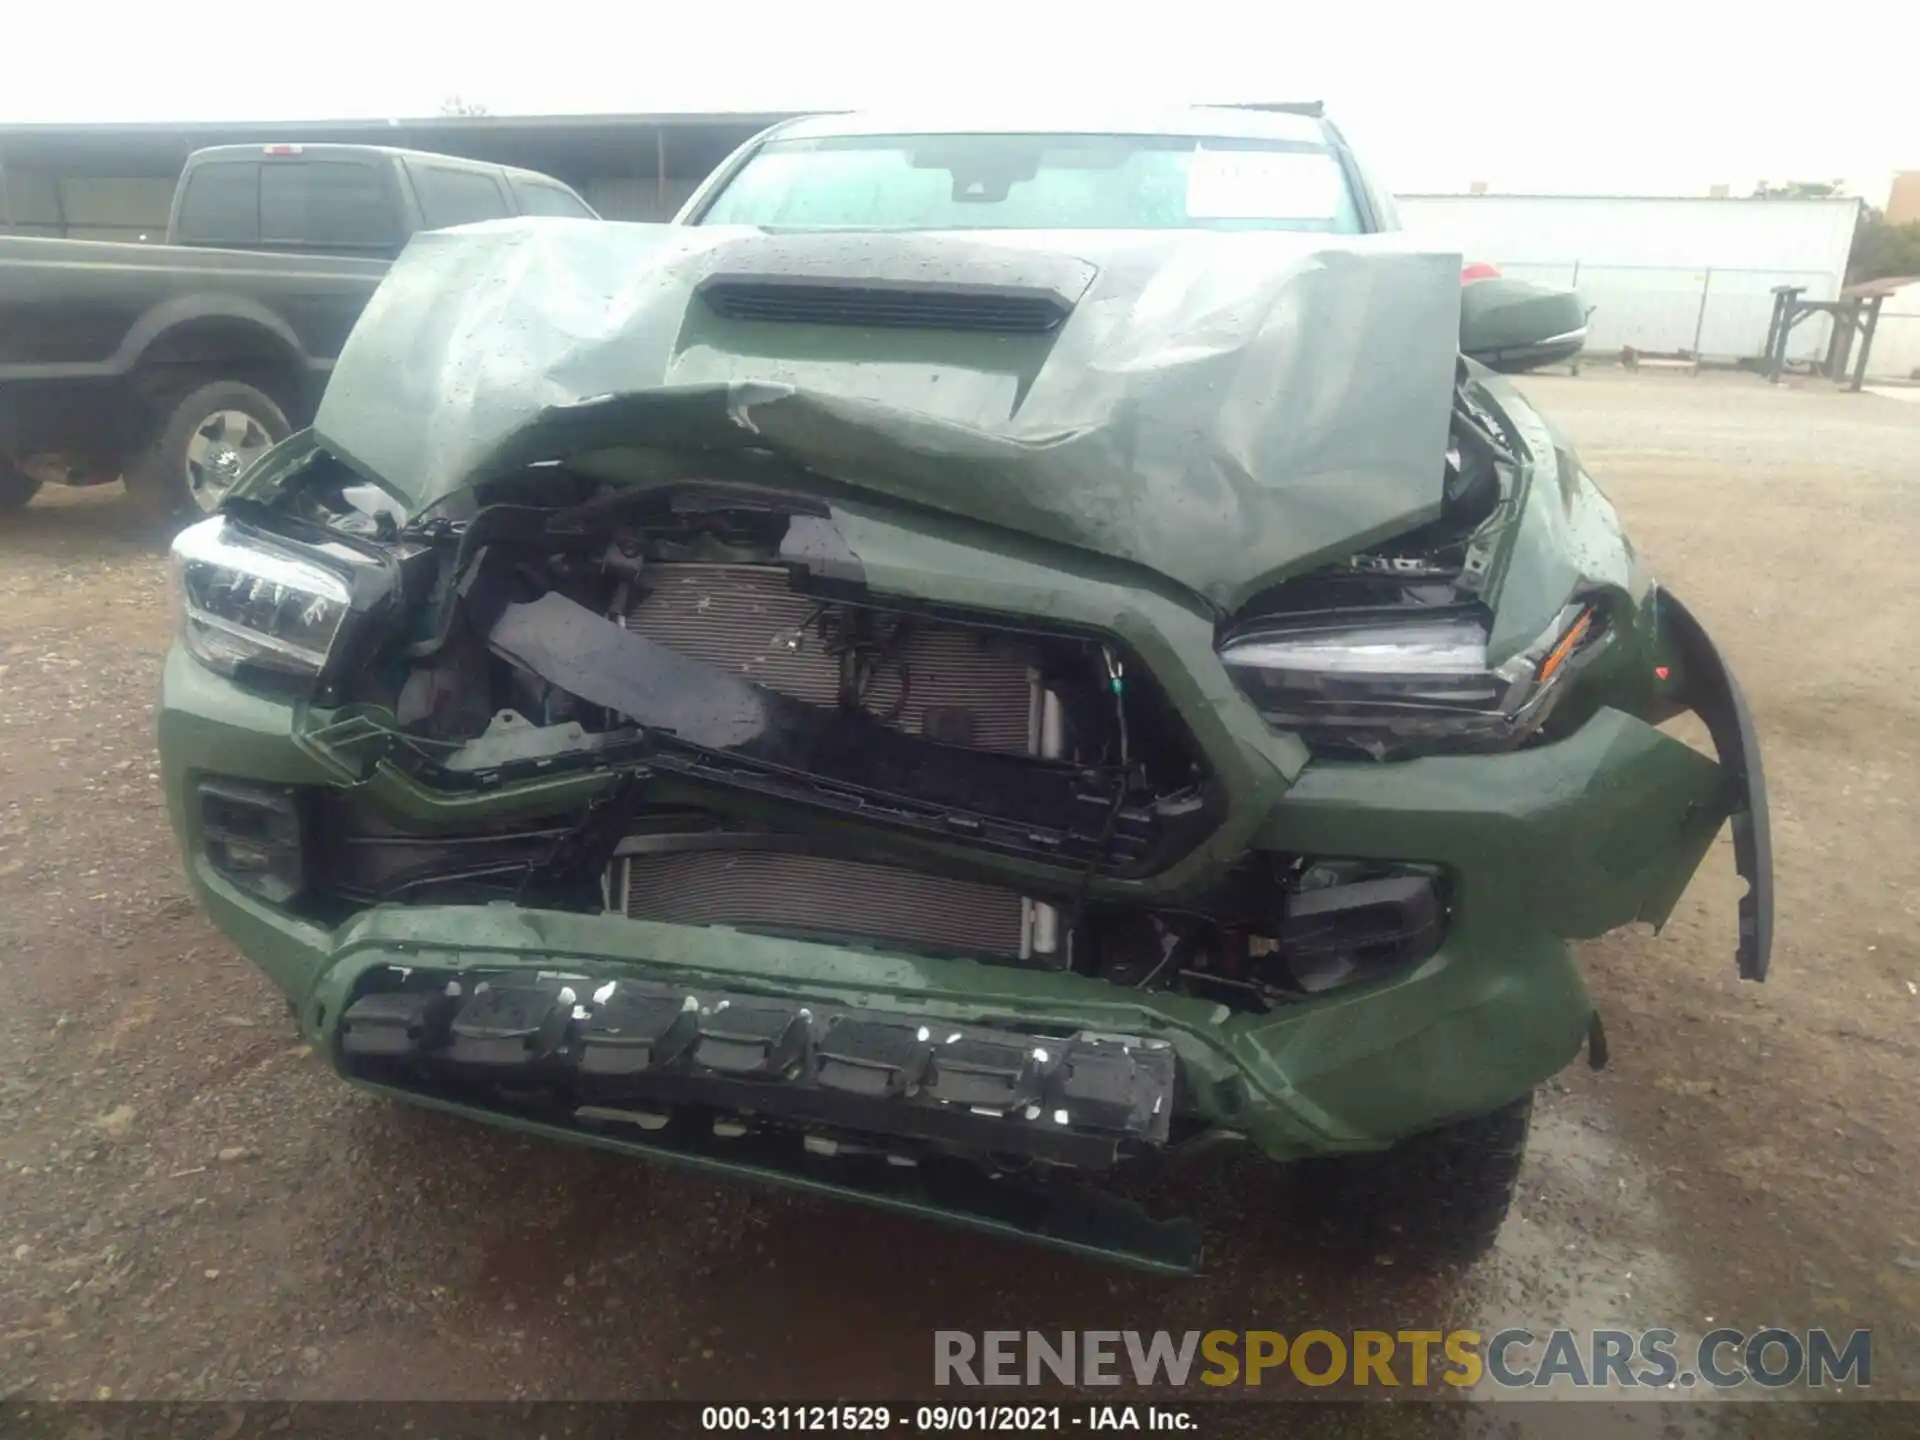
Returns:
point(1623, 96)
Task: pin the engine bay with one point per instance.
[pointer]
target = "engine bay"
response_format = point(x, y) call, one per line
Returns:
point(770, 726)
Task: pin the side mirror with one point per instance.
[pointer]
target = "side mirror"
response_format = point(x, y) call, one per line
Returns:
point(1516, 325)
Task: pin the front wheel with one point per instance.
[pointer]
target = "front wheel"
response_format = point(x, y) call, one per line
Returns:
point(15, 489)
point(210, 435)
point(1435, 1198)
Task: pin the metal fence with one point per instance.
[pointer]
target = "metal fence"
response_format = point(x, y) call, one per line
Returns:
point(1717, 314)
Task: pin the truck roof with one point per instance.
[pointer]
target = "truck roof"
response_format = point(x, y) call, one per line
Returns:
point(269, 150)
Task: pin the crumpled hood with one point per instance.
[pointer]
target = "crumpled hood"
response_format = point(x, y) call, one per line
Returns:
point(1223, 408)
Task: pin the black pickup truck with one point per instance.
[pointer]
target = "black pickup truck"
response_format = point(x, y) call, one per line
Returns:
point(173, 366)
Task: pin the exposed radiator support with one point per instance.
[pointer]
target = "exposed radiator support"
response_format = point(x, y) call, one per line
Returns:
point(960, 685)
point(1053, 744)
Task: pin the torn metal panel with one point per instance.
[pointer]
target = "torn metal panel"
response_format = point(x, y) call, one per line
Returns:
point(1222, 408)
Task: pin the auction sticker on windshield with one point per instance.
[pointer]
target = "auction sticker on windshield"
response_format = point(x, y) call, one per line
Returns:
point(1262, 185)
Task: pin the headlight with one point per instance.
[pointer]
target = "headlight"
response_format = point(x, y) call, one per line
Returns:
point(1386, 685)
point(250, 607)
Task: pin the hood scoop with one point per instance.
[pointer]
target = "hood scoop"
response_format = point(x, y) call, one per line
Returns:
point(893, 281)
point(987, 309)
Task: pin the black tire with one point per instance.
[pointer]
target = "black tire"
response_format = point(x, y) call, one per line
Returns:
point(1436, 1198)
point(160, 479)
point(15, 489)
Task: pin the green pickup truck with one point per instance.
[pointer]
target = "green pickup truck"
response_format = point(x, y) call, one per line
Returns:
point(859, 690)
point(176, 365)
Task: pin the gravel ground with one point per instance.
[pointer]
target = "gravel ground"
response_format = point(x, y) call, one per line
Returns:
point(192, 1208)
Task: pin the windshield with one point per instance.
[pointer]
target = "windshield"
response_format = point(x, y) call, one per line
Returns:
point(1038, 182)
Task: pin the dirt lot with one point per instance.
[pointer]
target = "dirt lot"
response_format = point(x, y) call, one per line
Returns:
point(190, 1207)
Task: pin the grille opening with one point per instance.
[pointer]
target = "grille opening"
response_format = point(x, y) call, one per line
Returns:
point(957, 684)
point(967, 687)
point(820, 897)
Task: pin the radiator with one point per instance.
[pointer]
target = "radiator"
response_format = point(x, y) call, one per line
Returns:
point(960, 685)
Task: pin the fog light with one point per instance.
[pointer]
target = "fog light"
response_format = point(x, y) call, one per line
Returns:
point(251, 834)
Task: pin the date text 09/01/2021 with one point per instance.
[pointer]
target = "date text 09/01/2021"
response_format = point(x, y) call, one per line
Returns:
point(945, 1419)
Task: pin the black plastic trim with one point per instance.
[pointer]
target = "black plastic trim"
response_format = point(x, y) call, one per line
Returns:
point(1709, 690)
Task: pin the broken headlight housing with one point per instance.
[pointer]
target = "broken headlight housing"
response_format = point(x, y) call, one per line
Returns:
point(256, 609)
point(1393, 683)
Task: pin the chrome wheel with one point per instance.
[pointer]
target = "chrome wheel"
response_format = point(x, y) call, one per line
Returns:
point(218, 453)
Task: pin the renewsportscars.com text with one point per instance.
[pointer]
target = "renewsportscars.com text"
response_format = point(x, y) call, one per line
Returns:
point(1511, 1359)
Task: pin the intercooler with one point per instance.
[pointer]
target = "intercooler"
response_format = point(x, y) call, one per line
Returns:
point(958, 685)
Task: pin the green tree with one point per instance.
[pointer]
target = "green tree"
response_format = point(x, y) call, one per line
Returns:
point(1881, 250)
point(1799, 190)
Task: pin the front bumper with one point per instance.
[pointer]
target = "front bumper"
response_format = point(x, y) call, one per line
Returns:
point(1571, 839)
point(1471, 1028)
point(870, 1103)
point(1564, 840)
